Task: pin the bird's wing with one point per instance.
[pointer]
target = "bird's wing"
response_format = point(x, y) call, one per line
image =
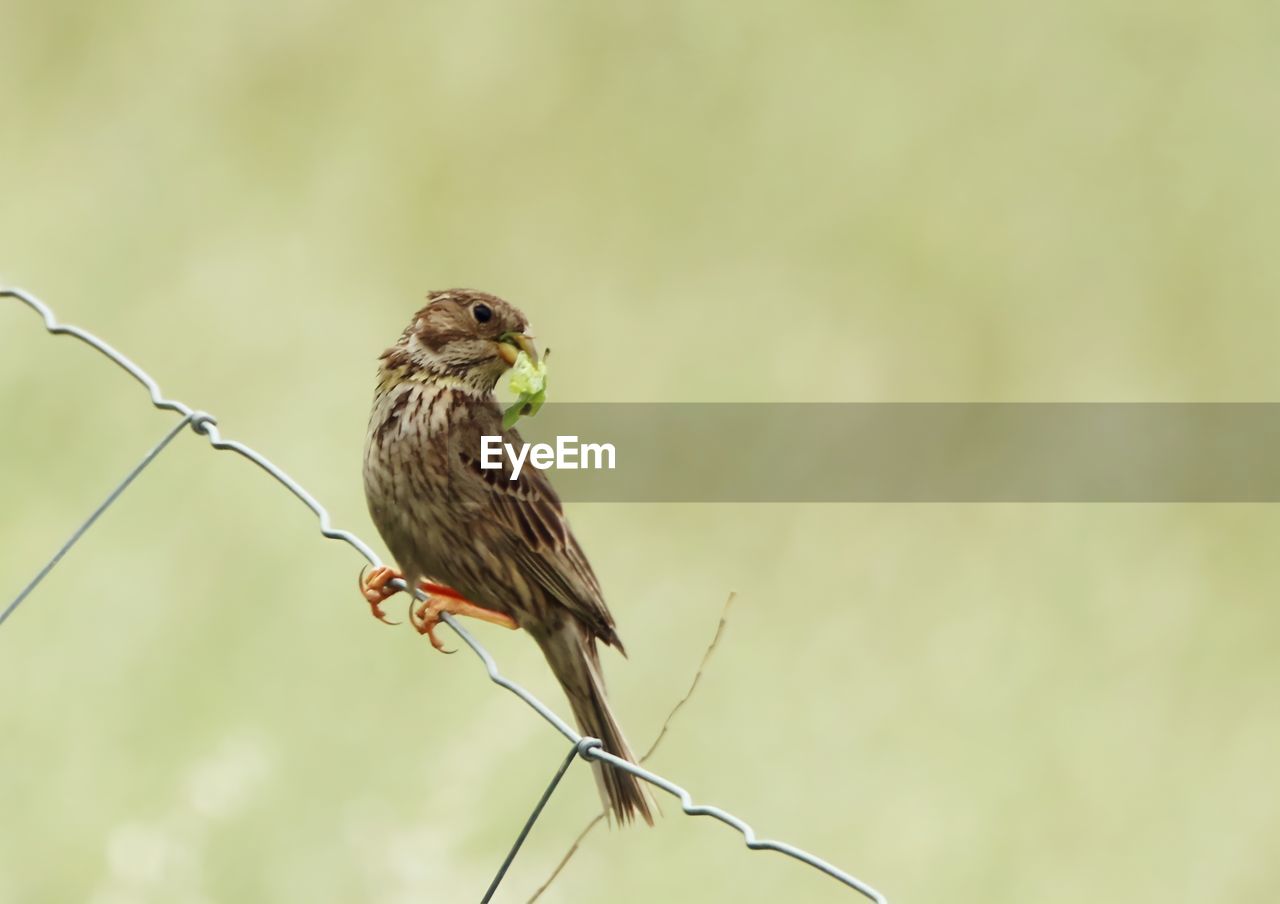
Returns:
point(527, 510)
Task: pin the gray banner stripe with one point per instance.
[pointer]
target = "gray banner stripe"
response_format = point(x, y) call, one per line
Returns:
point(979, 452)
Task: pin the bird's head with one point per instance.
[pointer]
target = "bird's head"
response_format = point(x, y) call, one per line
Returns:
point(461, 335)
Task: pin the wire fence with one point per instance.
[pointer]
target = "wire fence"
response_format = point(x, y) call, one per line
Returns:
point(585, 748)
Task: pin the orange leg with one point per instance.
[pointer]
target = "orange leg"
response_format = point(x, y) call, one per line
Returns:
point(427, 616)
point(440, 599)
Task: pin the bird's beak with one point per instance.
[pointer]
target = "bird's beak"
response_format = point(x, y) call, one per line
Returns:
point(510, 345)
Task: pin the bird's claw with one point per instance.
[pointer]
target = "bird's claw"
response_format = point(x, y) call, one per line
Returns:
point(380, 615)
point(426, 618)
point(373, 585)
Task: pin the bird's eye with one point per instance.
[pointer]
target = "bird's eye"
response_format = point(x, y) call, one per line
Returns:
point(482, 313)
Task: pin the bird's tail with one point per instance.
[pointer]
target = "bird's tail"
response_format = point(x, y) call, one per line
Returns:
point(572, 654)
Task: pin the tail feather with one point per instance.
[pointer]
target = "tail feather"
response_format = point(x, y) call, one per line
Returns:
point(572, 654)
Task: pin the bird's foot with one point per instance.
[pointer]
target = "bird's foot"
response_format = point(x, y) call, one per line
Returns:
point(373, 584)
point(442, 599)
point(425, 617)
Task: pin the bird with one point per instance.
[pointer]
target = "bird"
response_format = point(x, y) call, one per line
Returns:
point(475, 541)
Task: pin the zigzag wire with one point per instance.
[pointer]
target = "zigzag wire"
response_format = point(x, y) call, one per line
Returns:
point(205, 424)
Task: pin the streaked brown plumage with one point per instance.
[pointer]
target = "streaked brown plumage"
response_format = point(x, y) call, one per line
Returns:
point(504, 545)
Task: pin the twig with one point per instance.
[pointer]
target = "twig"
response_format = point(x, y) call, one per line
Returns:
point(697, 676)
point(662, 733)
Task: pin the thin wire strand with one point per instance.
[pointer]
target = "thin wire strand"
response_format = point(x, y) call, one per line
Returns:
point(88, 522)
point(574, 751)
point(206, 425)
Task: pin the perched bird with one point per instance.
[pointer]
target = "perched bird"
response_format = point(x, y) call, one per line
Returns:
point(479, 543)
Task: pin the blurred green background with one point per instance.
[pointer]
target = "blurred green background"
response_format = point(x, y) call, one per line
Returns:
point(827, 200)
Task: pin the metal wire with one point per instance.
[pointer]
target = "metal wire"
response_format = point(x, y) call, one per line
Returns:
point(88, 522)
point(579, 748)
point(206, 425)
